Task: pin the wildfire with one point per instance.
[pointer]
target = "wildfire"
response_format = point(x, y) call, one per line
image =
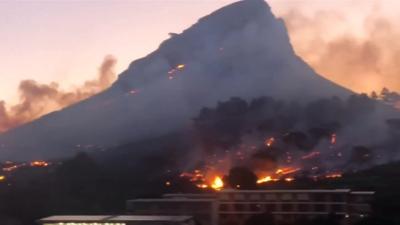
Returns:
point(193, 177)
point(173, 71)
point(333, 139)
point(285, 174)
point(202, 186)
point(218, 165)
point(311, 155)
point(180, 66)
point(266, 179)
point(333, 175)
point(39, 164)
point(217, 183)
point(268, 143)
point(10, 168)
point(278, 175)
point(200, 180)
point(287, 170)
point(289, 179)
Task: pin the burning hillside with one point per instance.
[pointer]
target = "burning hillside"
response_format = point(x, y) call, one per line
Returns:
point(264, 141)
point(221, 56)
point(260, 167)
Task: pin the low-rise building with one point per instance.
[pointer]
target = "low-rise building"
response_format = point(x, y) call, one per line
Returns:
point(235, 207)
point(202, 208)
point(116, 220)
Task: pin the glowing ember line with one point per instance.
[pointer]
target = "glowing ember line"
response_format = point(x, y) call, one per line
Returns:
point(173, 71)
point(266, 179)
point(333, 139)
point(39, 164)
point(285, 171)
point(333, 175)
point(311, 155)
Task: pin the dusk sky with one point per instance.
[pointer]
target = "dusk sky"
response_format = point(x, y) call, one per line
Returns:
point(66, 41)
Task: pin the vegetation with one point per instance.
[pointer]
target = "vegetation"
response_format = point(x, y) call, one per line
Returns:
point(101, 182)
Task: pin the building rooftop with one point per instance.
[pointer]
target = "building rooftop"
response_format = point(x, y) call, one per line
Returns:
point(189, 195)
point(363, 192)
point(75, 218)
point(112, 218)
point(289, 190)
point(172, 200)
point(149, 218)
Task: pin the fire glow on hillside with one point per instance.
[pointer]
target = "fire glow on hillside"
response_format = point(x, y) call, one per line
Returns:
point(11, 166)
point(173, 72)
point(214, 174)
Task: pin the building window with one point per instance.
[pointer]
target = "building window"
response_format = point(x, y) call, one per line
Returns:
point(286, 197)
point(239, 197)
point(287, 207)
point(270, 207)
point(337, 208)
point(303, 208)
point(255, 197)
point(320, 197)
point(239, 207)
point(223, 207)
point(255, 207)
point(225, 197)
point(320, 208)
point(337, 198)
point(302, 197)
point(270, 197)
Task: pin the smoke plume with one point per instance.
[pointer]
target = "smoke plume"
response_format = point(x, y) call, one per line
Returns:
point(362, 62)
point(37, 99)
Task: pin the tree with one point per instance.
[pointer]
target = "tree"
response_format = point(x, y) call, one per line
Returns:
point(223, 126)
point(374, 95)
point(361, 155)
point(242, 178)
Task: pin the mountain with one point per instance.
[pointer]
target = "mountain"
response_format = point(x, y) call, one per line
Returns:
point(240, 50)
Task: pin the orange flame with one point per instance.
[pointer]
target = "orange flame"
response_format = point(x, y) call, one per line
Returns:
point(311, 155)
point(217, 183)
point(288, 170)
point(268, 143)
point(266, 179)
point(180, 66)
point(333, 139)
point(39, 163)
point(333, 175)
point(289, 179)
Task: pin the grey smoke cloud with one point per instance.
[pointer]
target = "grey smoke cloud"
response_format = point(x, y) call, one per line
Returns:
point(37, 99)
point(363, 62)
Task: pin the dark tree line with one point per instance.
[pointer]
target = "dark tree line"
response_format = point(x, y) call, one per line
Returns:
point(296, 126)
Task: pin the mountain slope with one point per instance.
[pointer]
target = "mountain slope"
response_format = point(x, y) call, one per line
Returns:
point(240, 50)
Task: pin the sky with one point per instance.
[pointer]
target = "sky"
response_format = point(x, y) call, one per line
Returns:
point(352, 42)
